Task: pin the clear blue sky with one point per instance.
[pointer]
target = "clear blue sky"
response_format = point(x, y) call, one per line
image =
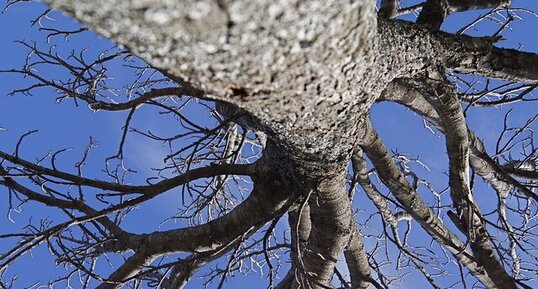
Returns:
point(64, 125)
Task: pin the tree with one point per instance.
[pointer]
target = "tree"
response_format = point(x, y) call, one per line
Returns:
point(292, 84)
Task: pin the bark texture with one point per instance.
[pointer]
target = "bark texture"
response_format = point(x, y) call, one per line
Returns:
point(303, 75)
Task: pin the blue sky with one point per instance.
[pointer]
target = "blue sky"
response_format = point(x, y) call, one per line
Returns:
point(64, 125)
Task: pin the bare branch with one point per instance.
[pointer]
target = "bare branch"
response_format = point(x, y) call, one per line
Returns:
point(406, 195)
point(434, 11)
point(153, 189)
point(357, 260)
point(444, 101)
point(388, 8)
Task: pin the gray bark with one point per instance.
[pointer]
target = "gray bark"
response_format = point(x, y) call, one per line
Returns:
point(305, 74)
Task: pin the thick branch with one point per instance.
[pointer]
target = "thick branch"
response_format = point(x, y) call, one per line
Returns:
point(480, 57)
point(125, 272)
point(394, 179)
point(400, 91)
point(487, 168)
point(521, 171)
point(410, 49)
point(300, 227)
point(182, 272)
point(267, 201)
point(443, 99)
point(357, 260)
point(434, 11)
point(362, 175)
point(330, 214)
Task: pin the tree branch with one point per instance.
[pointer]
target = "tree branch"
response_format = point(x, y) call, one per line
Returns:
point(266, 201)
point(388, 8)
point(434, 11)
point(400, 91)
point(442, 97)
point(263, 204)
point(127, 270)
point(521, 170)
point(394, 179)
point(153, 189)
point(357, 260)
point(150, 95)
point(410, 49)
point(475, 56)
point(332, 221)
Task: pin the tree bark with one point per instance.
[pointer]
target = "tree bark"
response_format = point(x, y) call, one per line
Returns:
point(305, 74)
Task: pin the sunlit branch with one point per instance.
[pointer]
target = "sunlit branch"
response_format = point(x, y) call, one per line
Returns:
point(331, 228)
point(357, 260)
point(362, 175)
point(443, 98)
point(393, 178)
point(400, 92)
point(482, 163)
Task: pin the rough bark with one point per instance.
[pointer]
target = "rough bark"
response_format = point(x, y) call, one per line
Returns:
point(304, 74)
point(294, 65)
